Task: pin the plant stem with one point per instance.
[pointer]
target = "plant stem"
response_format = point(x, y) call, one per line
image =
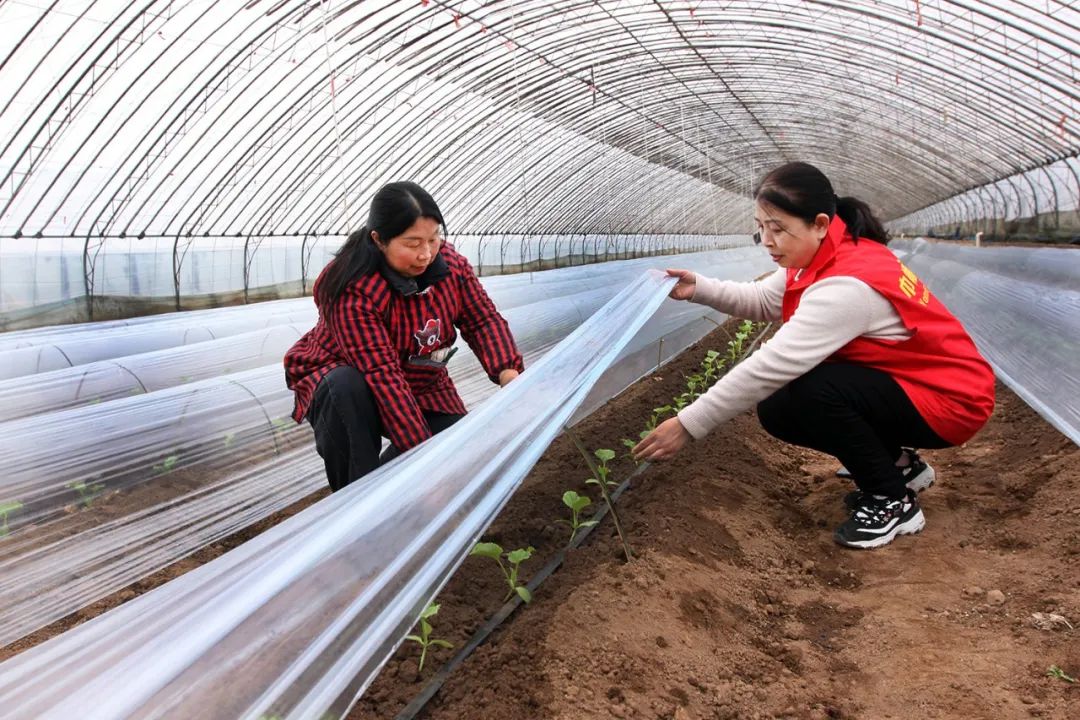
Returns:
point(603, 490)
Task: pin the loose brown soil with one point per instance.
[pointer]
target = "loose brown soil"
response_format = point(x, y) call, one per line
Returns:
point(739, 605)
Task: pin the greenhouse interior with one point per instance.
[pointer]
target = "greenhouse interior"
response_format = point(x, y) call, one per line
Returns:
point(178, 175)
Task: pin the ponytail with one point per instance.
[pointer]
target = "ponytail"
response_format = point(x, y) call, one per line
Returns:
point(800, 189)
point(356, 258)
point(860, 220)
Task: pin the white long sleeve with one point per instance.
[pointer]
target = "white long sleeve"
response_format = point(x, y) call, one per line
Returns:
point(831, 314)
point(758, 300)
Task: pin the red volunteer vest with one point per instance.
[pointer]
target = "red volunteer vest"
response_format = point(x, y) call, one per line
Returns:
point(939, 367)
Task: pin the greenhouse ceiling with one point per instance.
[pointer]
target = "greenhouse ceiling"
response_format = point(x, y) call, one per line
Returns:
point(280, 117)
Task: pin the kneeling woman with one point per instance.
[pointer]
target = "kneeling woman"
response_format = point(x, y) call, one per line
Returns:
point(375, 363)
point(866, 366)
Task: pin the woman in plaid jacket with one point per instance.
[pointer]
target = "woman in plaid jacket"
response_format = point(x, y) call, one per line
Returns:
point(375, 363)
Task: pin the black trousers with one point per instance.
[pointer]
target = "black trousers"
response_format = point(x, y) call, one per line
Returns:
point(348, 430)
point(857, 414)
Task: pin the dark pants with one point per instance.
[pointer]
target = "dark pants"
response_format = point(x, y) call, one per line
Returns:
point(858, 414)
point(348, 430)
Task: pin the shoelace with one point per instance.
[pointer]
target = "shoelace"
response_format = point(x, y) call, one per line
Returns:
point(878, 510)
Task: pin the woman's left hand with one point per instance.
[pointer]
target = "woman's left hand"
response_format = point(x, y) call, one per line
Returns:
point(664, 442)
point(507, 376)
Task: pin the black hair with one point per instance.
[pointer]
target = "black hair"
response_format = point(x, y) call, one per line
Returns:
point(800, 189)
point(395, 207)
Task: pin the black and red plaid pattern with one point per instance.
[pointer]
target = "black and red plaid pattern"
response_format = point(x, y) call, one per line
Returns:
point(376, 329)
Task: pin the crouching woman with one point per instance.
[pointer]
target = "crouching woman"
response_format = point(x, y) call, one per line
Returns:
point(867, 366)
point(390, 304)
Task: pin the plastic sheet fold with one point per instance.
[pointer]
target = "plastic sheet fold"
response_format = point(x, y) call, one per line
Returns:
point(297, 621)
point(67, 552)
point(1021, 306)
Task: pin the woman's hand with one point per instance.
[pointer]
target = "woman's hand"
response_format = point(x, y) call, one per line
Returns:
point(507, 376)
point(664, 442)
point(684, 289)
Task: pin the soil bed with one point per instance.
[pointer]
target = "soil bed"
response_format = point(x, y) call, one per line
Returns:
point(739, 604)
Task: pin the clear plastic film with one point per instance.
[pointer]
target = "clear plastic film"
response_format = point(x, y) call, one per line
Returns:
point(121, 377)
point(80, 348)
point(297, 621)
point(27, 352)
point(16, 339)
point(74, 457)
point(1021, 306)
point(199, 486)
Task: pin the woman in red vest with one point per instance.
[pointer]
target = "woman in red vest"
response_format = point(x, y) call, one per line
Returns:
point(867, 365)
point(375, 363)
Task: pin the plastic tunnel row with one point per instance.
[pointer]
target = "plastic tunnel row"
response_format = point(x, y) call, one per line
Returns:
point(1022, 308)
point(57, 347)
point(314, 599)
point(1039, 204)
point(322, 599)
point(315, 579)
point(171, 457)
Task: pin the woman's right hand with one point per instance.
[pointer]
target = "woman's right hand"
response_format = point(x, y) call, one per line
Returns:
point(684, 289)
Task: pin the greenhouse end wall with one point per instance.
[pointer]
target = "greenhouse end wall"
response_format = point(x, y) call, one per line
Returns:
point(49, 281)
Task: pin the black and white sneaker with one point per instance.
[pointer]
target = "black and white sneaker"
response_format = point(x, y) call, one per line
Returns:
point(918, 476)
point(878, 520)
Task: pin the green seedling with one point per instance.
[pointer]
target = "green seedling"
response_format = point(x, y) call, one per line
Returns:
point(514, 558)
point(602, 471)
point(230, 438)
point(1056, 672)
point(654, 419)
point(630, 445)
point(711, 366)
point(6, 510)
point(87, 492)
point(424, 639)
point(576, 503)
point(600, 479)
point(735, 347)
point(168, 464)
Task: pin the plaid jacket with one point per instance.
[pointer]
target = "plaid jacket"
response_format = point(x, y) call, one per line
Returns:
point(388, 327)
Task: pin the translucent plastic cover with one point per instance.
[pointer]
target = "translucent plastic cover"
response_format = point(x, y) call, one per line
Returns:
point(1022, 308)
point(297, 621)
point(171, 470)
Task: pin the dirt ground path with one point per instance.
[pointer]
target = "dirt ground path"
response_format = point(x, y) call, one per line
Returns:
point(739, 604)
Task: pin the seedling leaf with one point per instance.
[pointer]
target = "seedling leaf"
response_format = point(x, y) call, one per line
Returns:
point(516, 557)
point(487, 549)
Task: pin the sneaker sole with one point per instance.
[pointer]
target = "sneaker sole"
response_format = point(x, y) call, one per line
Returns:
point(913, 525)
point(923, 480)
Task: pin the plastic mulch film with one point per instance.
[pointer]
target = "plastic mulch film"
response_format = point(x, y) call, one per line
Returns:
point(297, 621)
point(79, 347)
point(85, 548)
point(16, 339)
point(1022, 308)
point(121, 377)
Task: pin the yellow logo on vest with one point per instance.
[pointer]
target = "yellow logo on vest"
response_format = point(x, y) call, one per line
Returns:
point(909, 285)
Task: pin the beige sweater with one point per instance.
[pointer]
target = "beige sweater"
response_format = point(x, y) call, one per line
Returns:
point(831, 313)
